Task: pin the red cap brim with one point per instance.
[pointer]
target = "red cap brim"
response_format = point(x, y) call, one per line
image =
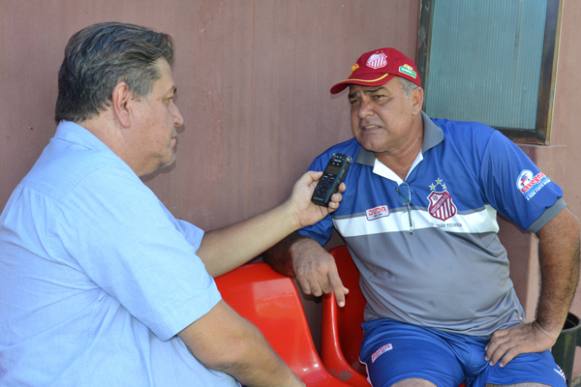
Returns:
point(376, 81)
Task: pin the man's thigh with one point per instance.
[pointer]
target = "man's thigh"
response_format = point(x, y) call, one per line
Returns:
point(518, 385)
point(528, 369)
point(414, 382)
point(395, 352)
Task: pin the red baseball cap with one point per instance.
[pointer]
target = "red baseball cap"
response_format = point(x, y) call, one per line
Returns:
point(377, 67)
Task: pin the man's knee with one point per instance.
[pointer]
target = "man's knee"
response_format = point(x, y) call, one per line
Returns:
point(414, 382)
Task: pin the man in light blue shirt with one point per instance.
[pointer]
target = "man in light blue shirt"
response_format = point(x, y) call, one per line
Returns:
point(99, 284)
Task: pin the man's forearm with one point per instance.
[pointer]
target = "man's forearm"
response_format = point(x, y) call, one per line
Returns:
point(260, 366)
point(559, 263)
point(223, 340)
point(279, 256)
point(225, 249)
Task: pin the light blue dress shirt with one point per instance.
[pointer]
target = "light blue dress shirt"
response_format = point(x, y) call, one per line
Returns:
point(97, 277)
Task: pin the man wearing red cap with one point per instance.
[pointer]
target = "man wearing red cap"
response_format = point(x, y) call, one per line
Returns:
point(419, 218)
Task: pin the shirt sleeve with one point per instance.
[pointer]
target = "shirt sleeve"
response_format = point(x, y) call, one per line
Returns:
point(516, 187)
point(323, 229)
point(130, 246)
point(191, 232)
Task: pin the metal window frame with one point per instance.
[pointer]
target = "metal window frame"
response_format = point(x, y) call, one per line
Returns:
point(541, 134)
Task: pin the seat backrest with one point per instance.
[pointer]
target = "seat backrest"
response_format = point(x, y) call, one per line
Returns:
point(271, 302)
point(351, 315)
point(341, 332)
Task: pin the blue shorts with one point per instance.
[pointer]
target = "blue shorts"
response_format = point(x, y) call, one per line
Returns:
point(394, 351)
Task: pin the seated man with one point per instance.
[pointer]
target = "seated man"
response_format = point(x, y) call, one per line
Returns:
point(99, 284)
point(420, 222)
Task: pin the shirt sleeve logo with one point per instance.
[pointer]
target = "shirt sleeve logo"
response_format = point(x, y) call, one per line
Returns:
point(441, 206)
point(529, 185)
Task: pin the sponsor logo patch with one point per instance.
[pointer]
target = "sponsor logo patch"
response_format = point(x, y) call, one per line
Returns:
point(377, 61)
point(441, 206)
point(529, 185)
point(408, 70)
point(383, 349)
point(377, 212)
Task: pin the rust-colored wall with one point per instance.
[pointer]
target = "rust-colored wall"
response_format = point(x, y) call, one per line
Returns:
point(253, 80)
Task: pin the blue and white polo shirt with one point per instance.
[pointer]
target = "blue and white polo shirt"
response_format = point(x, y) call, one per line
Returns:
point(427, 246)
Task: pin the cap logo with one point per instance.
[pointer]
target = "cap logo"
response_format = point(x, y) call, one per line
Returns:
point(354, 67)
point(377, 61)
point(408, 70)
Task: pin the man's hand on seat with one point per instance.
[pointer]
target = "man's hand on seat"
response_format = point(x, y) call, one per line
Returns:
point(316, 271)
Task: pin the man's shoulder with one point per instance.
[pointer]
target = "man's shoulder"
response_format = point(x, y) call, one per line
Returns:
point(461, 129)
point(469, 136)
point(58, 174)
point(349, 147)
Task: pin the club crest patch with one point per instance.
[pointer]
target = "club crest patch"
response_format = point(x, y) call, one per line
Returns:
point(377, 61)
point(377, 212)
point(441, 206)
point(529, 185)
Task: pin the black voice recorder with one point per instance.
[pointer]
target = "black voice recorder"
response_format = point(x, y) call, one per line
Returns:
point(333, 175)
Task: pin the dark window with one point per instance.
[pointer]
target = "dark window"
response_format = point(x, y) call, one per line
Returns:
point(490, 61)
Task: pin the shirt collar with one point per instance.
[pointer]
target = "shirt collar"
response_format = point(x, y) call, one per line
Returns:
point(433, 135)
point(71, 132)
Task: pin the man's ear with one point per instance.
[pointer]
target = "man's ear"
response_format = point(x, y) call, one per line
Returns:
point(120, 99)
point(417, 99)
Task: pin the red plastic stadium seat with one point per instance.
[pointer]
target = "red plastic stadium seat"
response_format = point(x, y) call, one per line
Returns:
point(341, 333)
point(271, 302)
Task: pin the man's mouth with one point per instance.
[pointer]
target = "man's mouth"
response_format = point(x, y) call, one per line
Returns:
point(369, 127)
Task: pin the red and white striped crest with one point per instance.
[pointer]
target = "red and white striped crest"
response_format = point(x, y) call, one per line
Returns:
point(441, 205)
point(377, 61)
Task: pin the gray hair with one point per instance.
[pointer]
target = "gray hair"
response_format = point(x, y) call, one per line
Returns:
point(407, 86)
point(100, 56)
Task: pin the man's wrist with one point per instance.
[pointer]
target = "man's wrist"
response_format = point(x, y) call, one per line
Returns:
point(552, 333)
point(298, 247)
point(292, 214)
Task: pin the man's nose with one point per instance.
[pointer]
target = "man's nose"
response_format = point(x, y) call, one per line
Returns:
point(178, 118)
point(365, 107)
